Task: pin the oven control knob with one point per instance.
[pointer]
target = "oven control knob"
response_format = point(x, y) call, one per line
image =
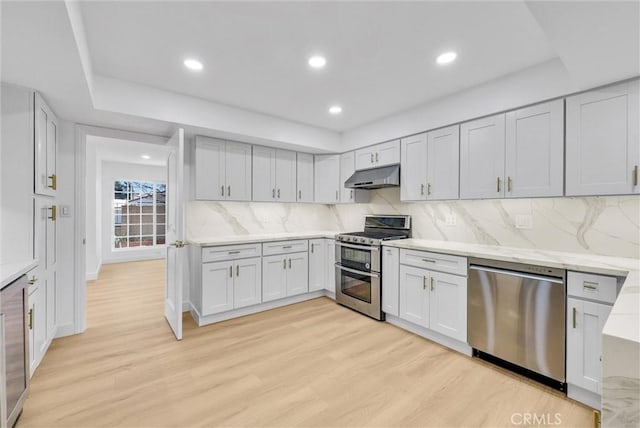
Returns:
point(371, 241)
point(362, 240)
point(367, 265)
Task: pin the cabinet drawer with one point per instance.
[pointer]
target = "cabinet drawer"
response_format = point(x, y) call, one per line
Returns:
point(591, 286)
point(434, 261)
point(230, 252)
point(285, 247)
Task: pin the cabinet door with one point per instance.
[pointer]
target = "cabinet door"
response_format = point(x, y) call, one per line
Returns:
point(347, 168)
point(413, 169)
point(414, 295)
point(273, 277)
point(51, 292)
point(330, 279)
point(247, 283)
point(52, 236)
point(534, 162)
point(317, 260)
point(217, 287)
point(33, 306)
point(387, 153)
point(448, 305)
point(238, 171)
point(285, 176)
point(326, 180)
point(297, 273)
point(365, 158)
point(585, 322)
point(390, 280)
point(602, 141)
point(210, 161)
point(46, 142)
point(443, 163)
point(304, 177)
point(482, 158)
point(264, 174)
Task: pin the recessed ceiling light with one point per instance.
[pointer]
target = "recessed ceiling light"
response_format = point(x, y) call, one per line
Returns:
point(145, 157)
point(193, 64)
point(335, 109)
point(317, 61)
point(446, 58)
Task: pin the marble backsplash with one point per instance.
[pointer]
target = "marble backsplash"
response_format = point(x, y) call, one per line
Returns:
point(598, 225)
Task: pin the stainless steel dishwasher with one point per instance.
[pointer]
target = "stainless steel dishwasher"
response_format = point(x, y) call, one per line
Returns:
point(516, 318)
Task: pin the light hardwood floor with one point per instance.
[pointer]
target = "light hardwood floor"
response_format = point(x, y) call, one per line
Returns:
point(313, 364)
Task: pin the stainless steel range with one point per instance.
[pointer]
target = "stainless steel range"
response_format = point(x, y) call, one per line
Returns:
point(359, 262)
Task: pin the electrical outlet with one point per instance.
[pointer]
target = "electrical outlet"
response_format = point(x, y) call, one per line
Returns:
point(450, 219)
point(524, 221)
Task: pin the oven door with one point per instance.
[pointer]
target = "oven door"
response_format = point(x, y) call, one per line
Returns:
point(359, 290)
point(358, 257)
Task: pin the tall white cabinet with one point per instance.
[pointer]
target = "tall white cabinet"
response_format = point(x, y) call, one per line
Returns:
point(602, 142)
point(430, 165)
point(46, 148)
point(274, 175)
point(222, 170)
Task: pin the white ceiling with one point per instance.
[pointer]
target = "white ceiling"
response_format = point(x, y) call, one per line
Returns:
point(381, 56)
point(126, 151)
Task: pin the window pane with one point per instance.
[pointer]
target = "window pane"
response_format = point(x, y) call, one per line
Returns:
point(120, 243)
point(120, 231)
point(160, 239)
point(134, 241)
point(160, 228)
point(146, 241)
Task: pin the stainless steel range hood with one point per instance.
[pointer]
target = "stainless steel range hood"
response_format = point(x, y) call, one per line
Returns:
point(374, 178)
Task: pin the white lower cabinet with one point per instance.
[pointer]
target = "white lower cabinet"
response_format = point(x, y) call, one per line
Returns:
point(285, 275)
point(429, 298)
point(317, 264)
point(330, 276)
point(390, 280)
point(37, 319)
point(230, 285)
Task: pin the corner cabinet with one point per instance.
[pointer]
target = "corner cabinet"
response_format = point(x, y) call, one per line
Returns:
point(603, 141)
point(430, 165)
point(326, 180)
point(222, 170)
point(46, 147)
point(274, 175)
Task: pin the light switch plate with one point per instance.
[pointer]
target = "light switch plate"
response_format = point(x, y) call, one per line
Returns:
point(524, 221)
point(65, 211)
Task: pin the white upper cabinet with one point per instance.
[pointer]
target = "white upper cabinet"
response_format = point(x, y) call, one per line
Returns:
point(379, 155)
point(304, 179)
point(347, 168)
point(222, 170)
point(534, 161)
point(274, 175)
point(603, 141)
point(46, 143)
point(430, 165)
point(482, 146)
point(327, 179)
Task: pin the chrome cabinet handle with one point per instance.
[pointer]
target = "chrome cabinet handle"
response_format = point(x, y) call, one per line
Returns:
point(286, 247)
point(273, 193)
point(424, 282)
point(574, 317)
point(428, 260)
point(278, 193)
point(422, 189)
point(376, 156)
point(371, 157)
point(284, 263)
point(289, 263)
point(228, 190)
point(635, 175)
point(312, 247)
point(508, 184)
point(230, 271)
point(222, 190)
point(299, 194)
point(498, 184)
point(33, 280)
point(31, 316)
point(590, 285)
point(234, 252)
point(351, 195)
point(431, 280)
point(237, 270)
point(428, 188)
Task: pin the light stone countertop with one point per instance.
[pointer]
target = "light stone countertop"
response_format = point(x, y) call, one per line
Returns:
point(266, 237)
point(9, 272)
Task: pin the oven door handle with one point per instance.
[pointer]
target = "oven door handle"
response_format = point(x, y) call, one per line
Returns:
point(357, 247)
point(369, 274)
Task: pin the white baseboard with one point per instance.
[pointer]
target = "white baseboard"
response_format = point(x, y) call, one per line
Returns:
point(92, 276)
point(454, 344)
point(589, 398)
point(186, 306)
point(133, 256)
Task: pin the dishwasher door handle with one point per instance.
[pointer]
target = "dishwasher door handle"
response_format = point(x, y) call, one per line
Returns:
point(517, 274)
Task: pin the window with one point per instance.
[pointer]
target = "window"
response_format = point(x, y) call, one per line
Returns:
point(138, 214)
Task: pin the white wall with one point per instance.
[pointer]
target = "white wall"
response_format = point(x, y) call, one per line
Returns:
point(93, 200)
point(112, 171)
point(538, 83)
